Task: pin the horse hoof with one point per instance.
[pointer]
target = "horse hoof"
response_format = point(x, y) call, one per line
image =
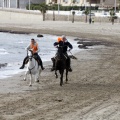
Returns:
point(56, 76)
point(30, 85)
point(24, 79)
point(66, 82)
point(37, 81)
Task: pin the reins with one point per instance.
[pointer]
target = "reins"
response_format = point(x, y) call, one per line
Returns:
point(32, 67)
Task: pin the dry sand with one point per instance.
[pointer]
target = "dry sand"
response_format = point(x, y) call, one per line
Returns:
point(93, 90)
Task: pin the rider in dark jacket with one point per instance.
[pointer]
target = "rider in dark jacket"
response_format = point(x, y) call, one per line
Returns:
point(65, 44)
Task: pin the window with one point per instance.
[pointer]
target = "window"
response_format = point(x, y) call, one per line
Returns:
point(65, 1)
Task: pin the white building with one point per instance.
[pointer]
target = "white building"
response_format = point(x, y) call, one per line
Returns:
point(23, 3)
point(18, 3)
point(68, 2)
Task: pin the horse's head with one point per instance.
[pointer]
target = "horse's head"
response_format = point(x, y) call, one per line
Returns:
point(60, 50)
point(30, 54)
point(60, 54)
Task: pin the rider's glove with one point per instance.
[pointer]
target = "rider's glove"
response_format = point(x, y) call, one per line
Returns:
point(56, 46)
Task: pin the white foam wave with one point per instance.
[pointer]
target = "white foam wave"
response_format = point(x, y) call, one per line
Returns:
point(21, 42)
point(3, 51)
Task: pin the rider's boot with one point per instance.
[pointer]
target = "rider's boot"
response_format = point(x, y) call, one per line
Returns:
point(42, 67)
point(24, 62)
point(22, 67)
point(53, 67)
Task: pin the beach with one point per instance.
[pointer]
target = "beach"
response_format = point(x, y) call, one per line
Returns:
point(93, 88)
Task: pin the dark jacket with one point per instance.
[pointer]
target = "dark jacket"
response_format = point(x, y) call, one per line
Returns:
point(65, 45)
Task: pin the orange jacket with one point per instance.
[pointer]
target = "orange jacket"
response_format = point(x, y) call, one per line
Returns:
point(34, 47)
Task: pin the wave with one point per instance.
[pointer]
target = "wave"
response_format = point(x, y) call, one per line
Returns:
point(21, 42)
point(3, 51)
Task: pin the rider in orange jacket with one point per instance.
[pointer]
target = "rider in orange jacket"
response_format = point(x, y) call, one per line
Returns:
point(34, 47)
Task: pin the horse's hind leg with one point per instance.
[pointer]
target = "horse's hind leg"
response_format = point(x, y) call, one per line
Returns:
point(61, 78)
point(37, 76)
point(66, 76)
point(25, 76)
point(56, 74)
point(30, 84)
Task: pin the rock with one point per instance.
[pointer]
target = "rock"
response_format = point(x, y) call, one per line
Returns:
point(39, 35)
point(82, 46)
point(3, 65)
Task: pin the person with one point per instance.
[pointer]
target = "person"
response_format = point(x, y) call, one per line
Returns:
point(34, 47)
point(93, 20)
point(90, 20)
point(62, 41)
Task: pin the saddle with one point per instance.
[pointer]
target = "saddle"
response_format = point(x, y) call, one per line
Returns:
point(34, 58)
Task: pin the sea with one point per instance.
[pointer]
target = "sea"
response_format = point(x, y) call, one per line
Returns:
point(12, 50)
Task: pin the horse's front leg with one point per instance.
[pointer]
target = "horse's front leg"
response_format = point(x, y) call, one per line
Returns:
point(56, 74)
point(30, 84)
point(25, 75)
point(66, 75)
point(61, 78)
point(38, 75)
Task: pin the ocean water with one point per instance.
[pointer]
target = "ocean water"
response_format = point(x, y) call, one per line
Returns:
point(12, 50)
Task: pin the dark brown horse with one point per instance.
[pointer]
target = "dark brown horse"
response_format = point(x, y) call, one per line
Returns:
point(61, 64)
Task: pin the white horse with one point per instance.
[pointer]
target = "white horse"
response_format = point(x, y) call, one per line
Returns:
point(32, 68)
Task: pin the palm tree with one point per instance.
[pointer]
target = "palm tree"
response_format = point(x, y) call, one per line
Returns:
point(112, 16)
point(43, 9)
point(73, 12)
point(86, 14)
point(90, 12)
point(53, 7)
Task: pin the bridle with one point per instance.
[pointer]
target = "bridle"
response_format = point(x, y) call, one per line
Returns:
point(30, 58)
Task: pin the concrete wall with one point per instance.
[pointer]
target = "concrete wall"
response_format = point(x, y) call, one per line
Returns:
point(21, 16)
point(78, 18)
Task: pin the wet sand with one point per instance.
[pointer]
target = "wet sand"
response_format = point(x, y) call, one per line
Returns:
point(93, 89)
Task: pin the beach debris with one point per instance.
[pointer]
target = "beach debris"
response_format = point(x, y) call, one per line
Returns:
point(82, 46)
point(39, 35)
point(59, 100)
point(3, 65)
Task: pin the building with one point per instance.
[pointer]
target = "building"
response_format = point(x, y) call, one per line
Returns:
point(18, 3)
point(23, 3)
point(67, 2)
point(102, 3)
point(109, 3)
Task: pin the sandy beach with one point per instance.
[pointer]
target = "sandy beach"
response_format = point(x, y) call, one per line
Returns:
point(93, 89)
